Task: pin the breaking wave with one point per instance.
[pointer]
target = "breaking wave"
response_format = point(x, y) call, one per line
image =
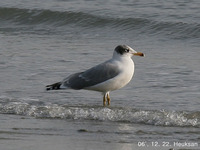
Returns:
point(114, 114)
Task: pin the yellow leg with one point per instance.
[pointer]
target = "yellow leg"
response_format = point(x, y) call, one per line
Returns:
point(104, 100)
point(108, 99)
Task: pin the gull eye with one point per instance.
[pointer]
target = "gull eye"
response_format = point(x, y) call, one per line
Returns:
point(126, 50)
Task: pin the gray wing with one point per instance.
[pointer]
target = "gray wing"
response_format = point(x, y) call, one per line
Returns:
point(93, 76)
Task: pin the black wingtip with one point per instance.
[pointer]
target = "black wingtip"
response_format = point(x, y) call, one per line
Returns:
point(48, 88)
point(55, 86)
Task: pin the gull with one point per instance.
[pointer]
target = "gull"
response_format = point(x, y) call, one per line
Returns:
point(108, 76)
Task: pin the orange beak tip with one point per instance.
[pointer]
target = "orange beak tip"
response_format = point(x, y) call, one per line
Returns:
point(139, 54)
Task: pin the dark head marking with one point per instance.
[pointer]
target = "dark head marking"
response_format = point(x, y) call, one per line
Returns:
point(121, 49)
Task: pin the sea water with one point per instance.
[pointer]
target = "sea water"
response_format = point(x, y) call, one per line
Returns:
point(42, 42)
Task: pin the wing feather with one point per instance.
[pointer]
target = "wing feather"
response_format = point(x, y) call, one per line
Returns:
point(92, 76)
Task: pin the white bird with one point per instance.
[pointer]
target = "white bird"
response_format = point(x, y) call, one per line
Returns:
point(105, 77)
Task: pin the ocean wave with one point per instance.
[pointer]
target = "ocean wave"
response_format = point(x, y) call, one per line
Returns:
point(113, 114)
point(90, 21)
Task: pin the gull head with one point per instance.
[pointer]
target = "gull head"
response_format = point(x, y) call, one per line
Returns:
point(126, 51)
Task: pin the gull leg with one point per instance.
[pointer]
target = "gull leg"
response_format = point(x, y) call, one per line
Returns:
point(104, 100)
point(108, 98)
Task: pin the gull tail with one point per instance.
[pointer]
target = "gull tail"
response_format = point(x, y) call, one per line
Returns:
point(55, 86)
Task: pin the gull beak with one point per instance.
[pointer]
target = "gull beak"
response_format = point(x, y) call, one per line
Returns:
point(135, 53)
point(138, 54)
